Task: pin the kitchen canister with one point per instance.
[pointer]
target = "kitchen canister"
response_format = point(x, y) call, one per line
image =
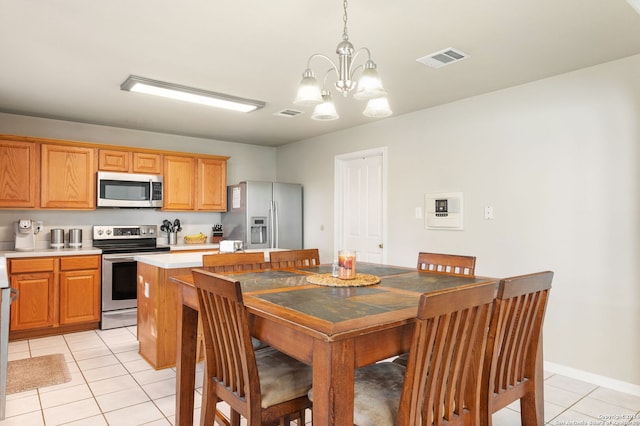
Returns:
point(57, 238)
point(75, 238)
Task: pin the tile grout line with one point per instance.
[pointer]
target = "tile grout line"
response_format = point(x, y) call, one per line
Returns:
point(164, 416)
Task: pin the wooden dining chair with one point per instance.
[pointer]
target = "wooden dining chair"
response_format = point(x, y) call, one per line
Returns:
point(450, 264)
point(294, 258)
point(265, 387)
point(439, 263)
point(512, 369)
point(234, 262)
point(441, 384)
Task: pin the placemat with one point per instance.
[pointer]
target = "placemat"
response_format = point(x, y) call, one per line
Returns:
point(329, 280)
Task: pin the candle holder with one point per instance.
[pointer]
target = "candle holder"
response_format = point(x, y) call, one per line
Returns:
point(346, 264)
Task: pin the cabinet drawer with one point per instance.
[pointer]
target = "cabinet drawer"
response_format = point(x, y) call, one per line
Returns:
point(34, 264)
point(71, 263)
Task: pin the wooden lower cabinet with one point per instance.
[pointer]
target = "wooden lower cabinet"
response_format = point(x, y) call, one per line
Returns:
point(79, 289)
point(157, 314)
point(55, 295)
point(34, 307)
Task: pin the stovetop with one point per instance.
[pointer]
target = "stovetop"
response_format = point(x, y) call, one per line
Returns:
point(126, 239)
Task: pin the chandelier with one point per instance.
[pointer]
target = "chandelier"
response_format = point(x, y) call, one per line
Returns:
point(369, 86)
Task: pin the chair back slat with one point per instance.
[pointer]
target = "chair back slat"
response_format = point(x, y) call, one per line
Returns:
point(450, 264)
point(234, 262)
point(515, 335)
point(294, 258)
point(445, 360)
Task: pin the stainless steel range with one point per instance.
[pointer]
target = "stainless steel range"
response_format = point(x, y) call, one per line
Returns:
point(119, 245)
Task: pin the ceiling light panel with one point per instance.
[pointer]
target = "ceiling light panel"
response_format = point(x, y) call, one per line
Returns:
point(189, 94)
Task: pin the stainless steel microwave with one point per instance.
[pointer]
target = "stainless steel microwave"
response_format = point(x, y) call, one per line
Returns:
point(129, 190)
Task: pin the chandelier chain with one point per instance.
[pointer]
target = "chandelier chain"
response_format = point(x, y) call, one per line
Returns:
point(345, 36)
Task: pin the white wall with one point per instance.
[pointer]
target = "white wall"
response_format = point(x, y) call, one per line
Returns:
point(558, 160)
point(246, 162)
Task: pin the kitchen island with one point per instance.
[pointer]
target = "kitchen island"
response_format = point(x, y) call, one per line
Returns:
point(158, 301)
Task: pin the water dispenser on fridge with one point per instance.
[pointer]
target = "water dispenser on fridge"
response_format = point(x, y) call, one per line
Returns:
point(259, 230)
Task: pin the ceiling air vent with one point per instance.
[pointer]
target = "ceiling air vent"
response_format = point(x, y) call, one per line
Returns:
point(288, 113)
point(442, 58)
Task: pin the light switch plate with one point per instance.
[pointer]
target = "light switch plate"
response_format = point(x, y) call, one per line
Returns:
point(488, 213)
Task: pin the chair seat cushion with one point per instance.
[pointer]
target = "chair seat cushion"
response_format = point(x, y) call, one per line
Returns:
point(377, 392)
point(282, 378)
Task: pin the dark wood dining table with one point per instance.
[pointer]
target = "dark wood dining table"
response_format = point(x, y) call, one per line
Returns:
point(333, 329)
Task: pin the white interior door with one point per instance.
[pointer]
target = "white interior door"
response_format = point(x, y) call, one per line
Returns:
point(360, 205)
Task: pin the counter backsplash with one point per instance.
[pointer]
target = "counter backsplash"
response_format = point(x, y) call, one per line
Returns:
point(192, 223)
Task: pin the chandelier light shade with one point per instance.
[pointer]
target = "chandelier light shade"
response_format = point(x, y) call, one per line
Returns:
point(369, 86)
point(309, 93)
point(325, 110)
point(377, 108)
point(189, 94)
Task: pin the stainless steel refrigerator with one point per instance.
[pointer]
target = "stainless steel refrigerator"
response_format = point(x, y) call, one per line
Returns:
point(264, 215)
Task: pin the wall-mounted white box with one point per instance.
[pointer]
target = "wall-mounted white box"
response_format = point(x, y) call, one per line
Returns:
point(444, 210)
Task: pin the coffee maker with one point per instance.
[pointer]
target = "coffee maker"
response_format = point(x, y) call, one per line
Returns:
point(26, 230)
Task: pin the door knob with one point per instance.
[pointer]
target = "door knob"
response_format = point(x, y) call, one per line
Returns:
point(380, 245)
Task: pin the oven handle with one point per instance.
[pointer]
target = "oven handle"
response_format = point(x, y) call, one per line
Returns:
point(114, 258)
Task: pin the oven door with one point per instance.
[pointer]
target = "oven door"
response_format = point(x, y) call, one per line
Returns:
point(119, 287)
point(119, 290)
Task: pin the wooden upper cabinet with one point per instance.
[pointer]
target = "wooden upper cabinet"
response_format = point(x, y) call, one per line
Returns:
point(179, 183)
point(195, 183)
point(145, 162)
point(68, 177)
point(129, 161)
point(114, 161)
point(212, 184)
point(19, 174)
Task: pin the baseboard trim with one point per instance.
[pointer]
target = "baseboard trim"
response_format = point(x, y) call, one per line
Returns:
point(596, 379)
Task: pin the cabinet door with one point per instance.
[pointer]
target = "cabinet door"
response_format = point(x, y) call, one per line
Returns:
point(19, 174)
point(113, 161)
point(212, 184)
point(144, 162)
point(79, 296)
point(179, 183)
point(68, 177)
point(34, 307)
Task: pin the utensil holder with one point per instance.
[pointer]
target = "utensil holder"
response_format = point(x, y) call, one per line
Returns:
point(173, 238)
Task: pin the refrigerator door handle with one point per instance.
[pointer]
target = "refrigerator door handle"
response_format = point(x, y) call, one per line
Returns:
point(271, 223)
point(276, 229)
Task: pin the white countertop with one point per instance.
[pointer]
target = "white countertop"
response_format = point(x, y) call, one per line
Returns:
point(185, 260)
point(182, 247)
point(82, 251)
point(173, 260)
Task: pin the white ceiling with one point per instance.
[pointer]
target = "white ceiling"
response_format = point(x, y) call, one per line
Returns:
point(66, 59)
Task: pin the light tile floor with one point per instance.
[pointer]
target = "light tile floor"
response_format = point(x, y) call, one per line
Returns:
point(112, 385)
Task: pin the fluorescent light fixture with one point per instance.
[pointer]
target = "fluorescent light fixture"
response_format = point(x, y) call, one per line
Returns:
point(189, 94)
